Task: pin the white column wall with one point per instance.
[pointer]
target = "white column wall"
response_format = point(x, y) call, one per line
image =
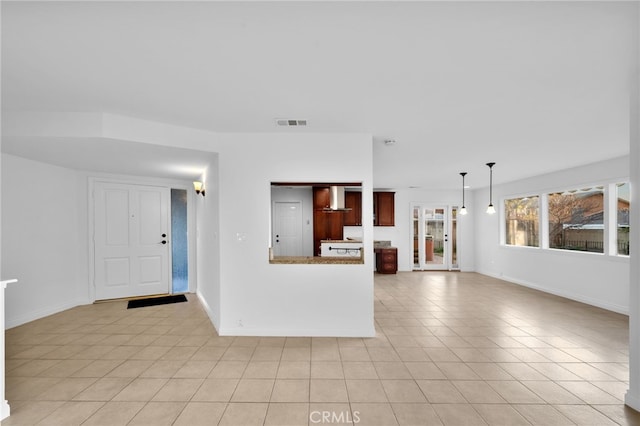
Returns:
point(5, 410)
point(632, 398)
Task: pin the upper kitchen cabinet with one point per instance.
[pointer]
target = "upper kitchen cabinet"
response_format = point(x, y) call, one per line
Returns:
point(383, 209)
point(353, 204)
point(328, 215)
point(321, 198)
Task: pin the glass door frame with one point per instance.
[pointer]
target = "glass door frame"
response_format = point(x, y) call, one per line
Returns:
point(450, 242)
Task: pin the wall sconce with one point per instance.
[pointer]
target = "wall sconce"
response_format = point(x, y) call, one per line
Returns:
point(490, 208)
point(463, 209)
point(199, 187)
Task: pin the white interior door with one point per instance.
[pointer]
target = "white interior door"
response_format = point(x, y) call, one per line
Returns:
point(131, 229)
point(287, 228)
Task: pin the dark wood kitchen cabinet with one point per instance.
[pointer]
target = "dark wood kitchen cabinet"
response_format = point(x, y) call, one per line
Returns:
point(386, 260)
point(383, 208)
point(327, 224)
point(321, 198)
point(353, 201)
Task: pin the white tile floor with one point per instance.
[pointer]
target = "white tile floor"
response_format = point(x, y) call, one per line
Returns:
point(452, 349)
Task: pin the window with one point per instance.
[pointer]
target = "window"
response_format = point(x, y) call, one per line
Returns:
point(576, 220)
point(521, 220)
point(622, 221)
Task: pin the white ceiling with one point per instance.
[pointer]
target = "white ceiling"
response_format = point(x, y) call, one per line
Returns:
point(533, 86)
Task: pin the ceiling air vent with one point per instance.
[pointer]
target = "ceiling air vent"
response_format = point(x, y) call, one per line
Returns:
point(284, 122)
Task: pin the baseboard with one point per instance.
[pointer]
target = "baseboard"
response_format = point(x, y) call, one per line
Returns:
point(41, 313)
point(244, 331)
point(632, 400)
point(214, 320)
point(567, 295)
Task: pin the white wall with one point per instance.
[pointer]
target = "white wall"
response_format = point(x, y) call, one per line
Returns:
point(242, 292)
point(42, 242)
point(596, 279)
point(259, 298)
point(208, 243)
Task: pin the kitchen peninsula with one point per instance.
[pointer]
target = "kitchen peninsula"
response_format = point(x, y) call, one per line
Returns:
point(316, 260)
point(340, 252)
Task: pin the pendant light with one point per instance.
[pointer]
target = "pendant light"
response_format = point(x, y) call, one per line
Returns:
point(490, 208)
point(463, 209)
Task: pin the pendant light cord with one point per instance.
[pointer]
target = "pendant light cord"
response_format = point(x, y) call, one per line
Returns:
point(491, 183)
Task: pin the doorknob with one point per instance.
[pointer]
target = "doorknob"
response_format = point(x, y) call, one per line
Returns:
point(164, 241)
point(164, 235)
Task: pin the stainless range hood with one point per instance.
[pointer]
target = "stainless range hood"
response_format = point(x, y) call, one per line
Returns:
point(336, 194)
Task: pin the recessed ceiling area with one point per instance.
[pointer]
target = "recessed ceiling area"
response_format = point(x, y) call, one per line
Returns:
point(533, 86)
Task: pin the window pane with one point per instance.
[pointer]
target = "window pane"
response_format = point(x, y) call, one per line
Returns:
point(576, 220)
point(623, 218)
point(521, 216)
point(179, 242)
point(454, 237)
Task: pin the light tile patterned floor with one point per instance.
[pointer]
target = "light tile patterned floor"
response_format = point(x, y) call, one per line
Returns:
point(452, 349)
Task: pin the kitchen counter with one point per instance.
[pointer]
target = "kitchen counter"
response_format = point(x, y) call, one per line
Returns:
point(316, 260)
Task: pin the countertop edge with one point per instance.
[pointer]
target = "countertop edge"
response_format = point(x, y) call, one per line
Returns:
point(307, 260)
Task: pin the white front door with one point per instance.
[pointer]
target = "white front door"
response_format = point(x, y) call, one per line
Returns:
point(131, 229)
point(287, 228)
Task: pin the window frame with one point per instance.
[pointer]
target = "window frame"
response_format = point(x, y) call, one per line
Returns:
point(503, 226)
point(605, 218)
point(610, 216)
point(614, 217)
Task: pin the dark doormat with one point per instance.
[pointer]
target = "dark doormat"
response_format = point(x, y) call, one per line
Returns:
point(152, 301)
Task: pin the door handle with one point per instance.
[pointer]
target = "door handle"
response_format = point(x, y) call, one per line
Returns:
point(164, 241)
point(164, 235)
